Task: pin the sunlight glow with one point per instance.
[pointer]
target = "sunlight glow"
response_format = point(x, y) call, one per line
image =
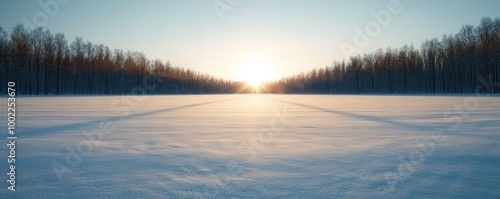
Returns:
point(255, 71)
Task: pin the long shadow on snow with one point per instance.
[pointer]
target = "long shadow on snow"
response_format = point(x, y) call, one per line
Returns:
point(81, 125)
point(408, 126)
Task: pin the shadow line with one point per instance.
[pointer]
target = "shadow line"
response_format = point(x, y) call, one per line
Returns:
point(55, 129)
point(407, 126)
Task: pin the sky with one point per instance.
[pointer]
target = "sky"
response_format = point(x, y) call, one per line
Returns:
point(228, 38)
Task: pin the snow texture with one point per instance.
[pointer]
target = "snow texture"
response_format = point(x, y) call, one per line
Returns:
point(256, 146)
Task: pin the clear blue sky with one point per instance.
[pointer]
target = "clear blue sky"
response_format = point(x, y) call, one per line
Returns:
point(291, 36)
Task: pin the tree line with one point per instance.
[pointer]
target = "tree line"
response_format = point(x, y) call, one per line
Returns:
point(42, 63)
point(466, 62)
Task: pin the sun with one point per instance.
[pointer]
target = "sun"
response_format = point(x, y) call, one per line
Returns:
point(255, 71)
point(256, 82)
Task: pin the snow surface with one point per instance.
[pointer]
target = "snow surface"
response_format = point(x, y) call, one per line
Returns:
point(256, 146)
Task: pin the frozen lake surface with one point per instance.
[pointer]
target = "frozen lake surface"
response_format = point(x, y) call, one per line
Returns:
point(256, 146)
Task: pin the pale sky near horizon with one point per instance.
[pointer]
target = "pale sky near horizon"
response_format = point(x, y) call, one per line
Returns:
point(287, 36)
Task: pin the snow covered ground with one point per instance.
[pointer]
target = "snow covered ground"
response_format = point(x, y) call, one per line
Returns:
point(256, 146)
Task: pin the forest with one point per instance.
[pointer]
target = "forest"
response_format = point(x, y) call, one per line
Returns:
point(42, 63)
point(467, 62)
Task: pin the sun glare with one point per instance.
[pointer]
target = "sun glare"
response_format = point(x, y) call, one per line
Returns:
point(255, 71)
